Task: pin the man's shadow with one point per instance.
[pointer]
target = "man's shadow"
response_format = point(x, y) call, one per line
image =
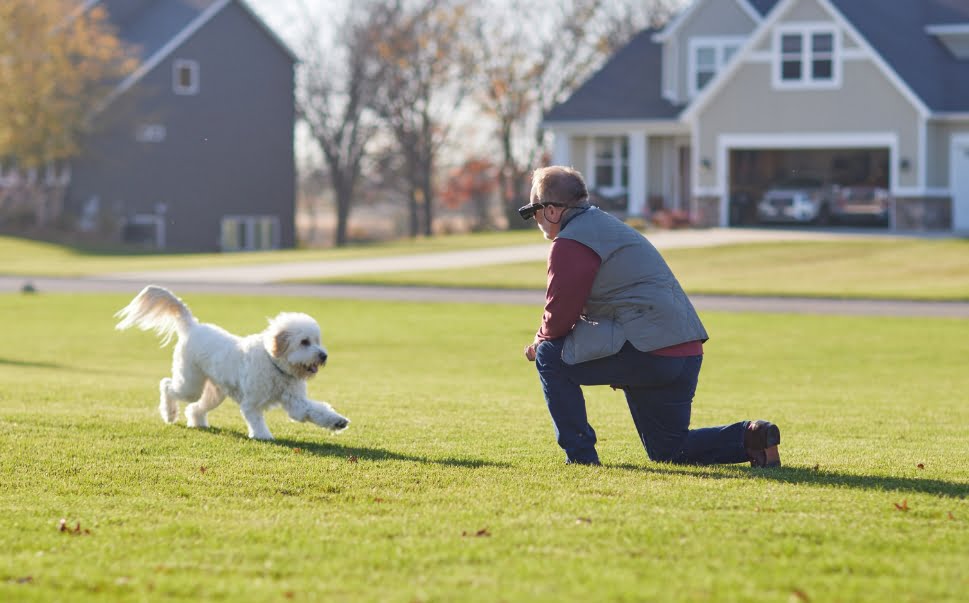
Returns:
point(810, 476)
point(357, 453)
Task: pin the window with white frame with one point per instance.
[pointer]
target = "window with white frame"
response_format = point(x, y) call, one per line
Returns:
point(806, 57)
point(611, 170)
point(707, 57)
point(185, 77)
point(249, 233)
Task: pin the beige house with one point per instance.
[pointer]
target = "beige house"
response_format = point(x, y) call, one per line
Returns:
point(740, 108)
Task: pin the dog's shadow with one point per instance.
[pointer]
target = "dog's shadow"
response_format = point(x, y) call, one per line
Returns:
point(822, 477)
point(356, 453)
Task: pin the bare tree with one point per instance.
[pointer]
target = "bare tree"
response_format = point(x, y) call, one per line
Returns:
point(337, 84)
point(531, 57)
point(422, 54)
point(58, 61)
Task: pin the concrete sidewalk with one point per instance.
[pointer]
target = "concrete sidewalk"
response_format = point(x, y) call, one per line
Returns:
point(270, 273)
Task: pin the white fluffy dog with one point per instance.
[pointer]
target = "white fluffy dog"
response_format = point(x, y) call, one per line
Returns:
point(257, 371)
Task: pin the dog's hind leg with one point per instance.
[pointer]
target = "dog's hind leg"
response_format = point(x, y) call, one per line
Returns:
point(168, 406)
point(196, 413)
point(186, 384)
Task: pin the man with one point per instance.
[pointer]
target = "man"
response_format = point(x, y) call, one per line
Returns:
point(616, 315)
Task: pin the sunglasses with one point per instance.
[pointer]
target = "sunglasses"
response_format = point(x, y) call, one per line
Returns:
point(527, 212)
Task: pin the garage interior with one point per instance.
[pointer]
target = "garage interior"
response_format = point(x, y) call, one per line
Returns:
point(755, 172)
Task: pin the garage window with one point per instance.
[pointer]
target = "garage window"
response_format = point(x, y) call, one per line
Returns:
point(247, 233)
point(807, 57)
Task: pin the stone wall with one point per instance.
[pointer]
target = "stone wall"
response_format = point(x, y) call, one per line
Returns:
point(923, 213)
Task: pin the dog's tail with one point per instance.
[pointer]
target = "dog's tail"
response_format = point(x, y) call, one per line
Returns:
point(159, 309)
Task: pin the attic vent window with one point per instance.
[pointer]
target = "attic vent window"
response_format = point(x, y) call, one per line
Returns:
point(708, 56)
point(807, 57)
point(185, 75)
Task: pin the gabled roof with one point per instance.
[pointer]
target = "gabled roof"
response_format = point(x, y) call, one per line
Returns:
point(156, 28)
point(627, 87)
point(749, 6)
point(893, 31)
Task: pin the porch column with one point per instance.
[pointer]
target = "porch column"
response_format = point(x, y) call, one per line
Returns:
point(638, 172)
point(562, 149)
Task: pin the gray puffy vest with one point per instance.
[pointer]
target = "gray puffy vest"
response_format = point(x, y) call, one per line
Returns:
point(634, 297)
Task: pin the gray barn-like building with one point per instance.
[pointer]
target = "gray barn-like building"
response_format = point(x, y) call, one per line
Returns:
point(197, 149)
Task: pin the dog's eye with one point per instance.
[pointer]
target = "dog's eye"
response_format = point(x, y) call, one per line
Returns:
point(305, 342)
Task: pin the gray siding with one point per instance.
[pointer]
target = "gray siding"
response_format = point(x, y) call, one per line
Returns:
point(227, 151)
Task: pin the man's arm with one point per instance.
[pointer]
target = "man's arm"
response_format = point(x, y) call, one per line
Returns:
point(572, 268)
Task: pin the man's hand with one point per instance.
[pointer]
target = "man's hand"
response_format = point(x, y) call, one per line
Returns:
point(530, 350)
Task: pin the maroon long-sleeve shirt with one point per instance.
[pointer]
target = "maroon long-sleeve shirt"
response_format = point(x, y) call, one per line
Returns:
point(572, 267)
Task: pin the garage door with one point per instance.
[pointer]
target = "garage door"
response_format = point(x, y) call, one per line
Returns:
point(825, 187)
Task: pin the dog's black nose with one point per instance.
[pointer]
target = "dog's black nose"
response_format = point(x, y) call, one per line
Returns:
point(323, 357)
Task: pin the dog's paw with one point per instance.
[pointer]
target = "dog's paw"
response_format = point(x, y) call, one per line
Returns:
point(341, 424)
point(262, 436)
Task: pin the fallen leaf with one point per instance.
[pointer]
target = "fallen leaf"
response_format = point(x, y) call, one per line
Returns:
point(352, 458)
point(25, 580)
point(799, 595)
point(478, 534)
point(921, 465)
point(903, 506)
point(951, 516)
point(817, 467)
point(583, 520)
point(289, 594)
point(203, 469)
point(378, 500)
point(298, 450)
point(62, 525)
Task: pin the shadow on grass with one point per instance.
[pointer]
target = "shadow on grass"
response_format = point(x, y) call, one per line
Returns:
point(334, 449)
point(30, 364)
point(818, 477)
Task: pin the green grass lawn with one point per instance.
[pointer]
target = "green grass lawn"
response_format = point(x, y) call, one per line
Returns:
point(35, 258)
point(448, 484)
point(902, 269)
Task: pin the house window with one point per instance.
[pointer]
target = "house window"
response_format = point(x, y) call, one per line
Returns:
point(707, 57)
point(150, 133)
point(807, 58)
point(612, 163)
point(185, 77)
point(249, 233)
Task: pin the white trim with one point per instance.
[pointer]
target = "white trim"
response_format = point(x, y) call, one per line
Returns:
point(638, 166)
point(957, 141)
point(561, 148)
point(195, 74)
point(590, 163)
point(806, 32)
point(685, 15)
point(718, 45)
point(852, 54)
point(922, 154)
point(163, 53)
point(705, 97)
point(248, 221)
point(950, 116)
point(149, 219)
point(947, 29)
point(601, 127)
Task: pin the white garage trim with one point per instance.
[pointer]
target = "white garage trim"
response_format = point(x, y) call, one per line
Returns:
point(794, 141)
point(959, 184)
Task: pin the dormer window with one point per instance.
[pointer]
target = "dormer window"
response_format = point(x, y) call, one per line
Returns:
point(185, 76)
point(806, 57)
point(707, 57)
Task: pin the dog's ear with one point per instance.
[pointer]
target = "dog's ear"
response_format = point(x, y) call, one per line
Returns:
point(279, 343)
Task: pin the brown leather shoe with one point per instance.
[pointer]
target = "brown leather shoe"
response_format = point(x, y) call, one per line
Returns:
point(761, 440)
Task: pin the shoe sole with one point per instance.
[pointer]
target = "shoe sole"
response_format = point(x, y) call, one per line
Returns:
point(768, 443)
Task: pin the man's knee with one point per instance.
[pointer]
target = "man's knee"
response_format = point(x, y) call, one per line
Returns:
point(548, 354)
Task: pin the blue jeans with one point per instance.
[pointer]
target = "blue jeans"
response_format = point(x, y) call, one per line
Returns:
point(659, 391)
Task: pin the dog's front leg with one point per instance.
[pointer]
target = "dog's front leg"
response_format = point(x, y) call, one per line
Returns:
point(258, 430)
point(318, 413)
